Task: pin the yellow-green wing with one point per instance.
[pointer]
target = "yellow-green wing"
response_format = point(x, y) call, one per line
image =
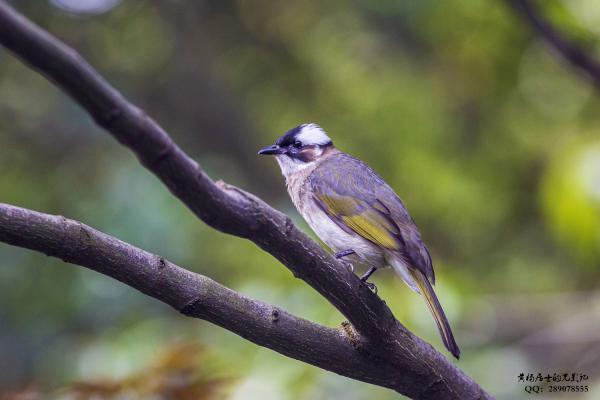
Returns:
point(361, 218)
point(359, 201)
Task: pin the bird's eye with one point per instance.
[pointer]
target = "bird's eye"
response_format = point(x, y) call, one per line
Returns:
point(297, 144)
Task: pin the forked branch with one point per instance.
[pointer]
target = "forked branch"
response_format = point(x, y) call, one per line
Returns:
point(379, 349)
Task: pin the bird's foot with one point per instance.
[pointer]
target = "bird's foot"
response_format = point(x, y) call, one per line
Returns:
point(348, 265)
point(341, 254)
point(370, 285)
point(366, 276)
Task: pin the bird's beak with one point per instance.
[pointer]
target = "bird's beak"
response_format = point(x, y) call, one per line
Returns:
point(271, 150)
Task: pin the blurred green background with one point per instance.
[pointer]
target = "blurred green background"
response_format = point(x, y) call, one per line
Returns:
point(491, 140)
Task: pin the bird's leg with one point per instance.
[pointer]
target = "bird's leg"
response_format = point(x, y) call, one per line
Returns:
point(366, 276)
point(341, 254)
point(344, 253)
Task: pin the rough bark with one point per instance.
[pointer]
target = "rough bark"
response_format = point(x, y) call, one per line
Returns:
point(391, 356)
point(192, 294)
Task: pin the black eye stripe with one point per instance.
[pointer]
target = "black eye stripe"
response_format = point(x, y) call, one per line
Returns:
point(305, 154)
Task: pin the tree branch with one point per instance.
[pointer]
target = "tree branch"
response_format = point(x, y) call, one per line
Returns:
point(419, 370)
point(192, 294)
point(568, 49)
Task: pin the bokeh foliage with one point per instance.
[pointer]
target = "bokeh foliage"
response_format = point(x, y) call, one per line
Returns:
point(491, 140)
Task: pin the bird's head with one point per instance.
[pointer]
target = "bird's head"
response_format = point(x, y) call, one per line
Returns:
point(299, 148)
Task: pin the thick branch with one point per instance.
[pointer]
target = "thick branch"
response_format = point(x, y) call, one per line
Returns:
point(422, 372)
point(192, 294)
point(223, 207)
point(568, 49)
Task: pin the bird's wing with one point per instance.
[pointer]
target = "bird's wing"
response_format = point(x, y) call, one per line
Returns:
point(359, 201)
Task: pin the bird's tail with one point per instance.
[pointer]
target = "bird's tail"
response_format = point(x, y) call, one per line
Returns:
point(436, 310)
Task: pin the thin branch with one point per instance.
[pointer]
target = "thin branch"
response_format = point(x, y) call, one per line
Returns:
point(568, 49)
point(421, 371)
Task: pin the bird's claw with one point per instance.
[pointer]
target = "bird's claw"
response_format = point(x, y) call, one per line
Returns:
point(370, 285)
point(350, 266)
point(341, 254)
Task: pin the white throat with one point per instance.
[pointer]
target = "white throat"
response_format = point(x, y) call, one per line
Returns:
point(290, 166)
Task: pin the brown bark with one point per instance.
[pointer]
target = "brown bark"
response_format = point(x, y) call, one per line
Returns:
point(376, 348)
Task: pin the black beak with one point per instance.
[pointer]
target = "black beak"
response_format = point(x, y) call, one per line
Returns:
point(272, 150)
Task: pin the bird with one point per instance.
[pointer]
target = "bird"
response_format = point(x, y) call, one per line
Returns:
point(356, 214)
